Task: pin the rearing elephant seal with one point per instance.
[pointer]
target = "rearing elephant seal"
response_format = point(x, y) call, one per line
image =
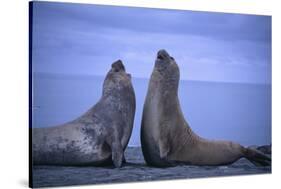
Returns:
point(100, 135)
point(166, 137)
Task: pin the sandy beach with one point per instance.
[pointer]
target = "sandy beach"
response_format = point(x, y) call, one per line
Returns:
point(135, 170)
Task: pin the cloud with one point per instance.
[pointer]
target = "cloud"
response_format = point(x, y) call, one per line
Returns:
point(216, 25)
point(86, 39)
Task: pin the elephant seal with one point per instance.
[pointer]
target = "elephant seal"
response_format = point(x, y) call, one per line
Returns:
point(167, 139)
point(97, 137)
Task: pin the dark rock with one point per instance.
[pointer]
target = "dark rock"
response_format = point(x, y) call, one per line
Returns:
point(265, 149)
point(135, 170)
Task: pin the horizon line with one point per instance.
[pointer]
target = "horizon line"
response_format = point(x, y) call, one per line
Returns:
point(135, 77)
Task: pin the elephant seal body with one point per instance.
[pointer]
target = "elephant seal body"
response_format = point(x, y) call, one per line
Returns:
point(167, 139)
point(99, 136)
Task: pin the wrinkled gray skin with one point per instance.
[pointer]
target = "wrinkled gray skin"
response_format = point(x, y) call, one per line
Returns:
point(166, 137)
point(99, 136)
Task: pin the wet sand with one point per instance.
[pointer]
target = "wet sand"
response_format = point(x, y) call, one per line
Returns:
point(135, 170)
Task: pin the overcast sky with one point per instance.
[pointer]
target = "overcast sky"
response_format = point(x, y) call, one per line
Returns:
point(86, 39)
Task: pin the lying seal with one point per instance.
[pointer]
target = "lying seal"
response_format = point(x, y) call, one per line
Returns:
point(99, 136)
point(166, 137)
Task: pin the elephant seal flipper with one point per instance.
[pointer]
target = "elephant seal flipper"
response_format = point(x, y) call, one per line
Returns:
point(117, 153)
point(116, 147)
point(166, 137)
point(257, 157)
point(97, 137)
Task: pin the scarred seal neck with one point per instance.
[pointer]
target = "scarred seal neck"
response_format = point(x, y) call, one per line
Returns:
point(117, 82)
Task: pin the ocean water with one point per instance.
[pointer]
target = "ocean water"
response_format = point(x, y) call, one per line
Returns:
point(231, 111)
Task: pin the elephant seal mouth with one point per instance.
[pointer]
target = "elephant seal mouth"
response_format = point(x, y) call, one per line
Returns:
point(162, 55)
point(118, 66)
